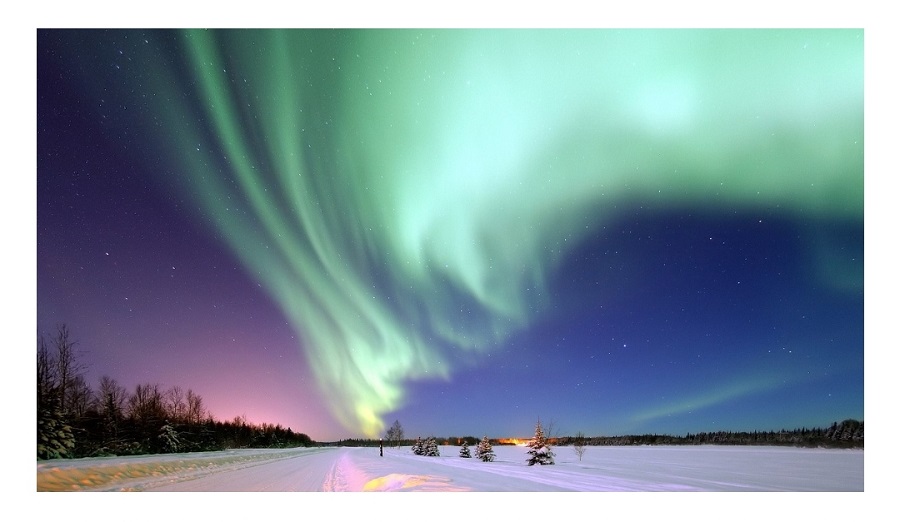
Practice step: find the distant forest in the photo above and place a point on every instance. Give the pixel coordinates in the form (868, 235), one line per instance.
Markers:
(849, 433)
(74, 420)
(845, 434)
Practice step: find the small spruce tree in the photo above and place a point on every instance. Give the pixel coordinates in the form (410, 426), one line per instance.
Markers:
(484, 451)
(54, 434)
(464, 451)
(540, 452)
(418, 447)
(168, 439)
(431, 448)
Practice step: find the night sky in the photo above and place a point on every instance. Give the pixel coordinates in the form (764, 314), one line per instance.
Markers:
(615, 231)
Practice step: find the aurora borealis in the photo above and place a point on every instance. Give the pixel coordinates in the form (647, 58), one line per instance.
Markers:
(622, 231)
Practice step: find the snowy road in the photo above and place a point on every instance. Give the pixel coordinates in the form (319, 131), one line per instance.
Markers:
(296, 471)
(655, 468)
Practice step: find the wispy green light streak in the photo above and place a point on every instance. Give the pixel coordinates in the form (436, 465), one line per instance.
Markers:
(718, 394)
(403, 194)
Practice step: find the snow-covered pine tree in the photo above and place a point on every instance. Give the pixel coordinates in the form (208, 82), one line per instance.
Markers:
(54, 435)
(540, 452)
(464, 451)
(431, 448)
(484, 451)
(168, 438)
(418, 448)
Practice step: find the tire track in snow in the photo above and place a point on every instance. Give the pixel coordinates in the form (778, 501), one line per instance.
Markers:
(344, 475)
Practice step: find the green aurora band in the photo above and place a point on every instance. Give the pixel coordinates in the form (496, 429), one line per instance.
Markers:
(402, 194)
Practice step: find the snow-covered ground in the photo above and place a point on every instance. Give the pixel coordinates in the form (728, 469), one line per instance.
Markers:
(602, 469)
(673, 481)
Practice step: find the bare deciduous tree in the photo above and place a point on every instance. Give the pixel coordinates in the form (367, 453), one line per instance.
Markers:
(195, 408)
(111, 398)
(579, 445)
(175, 405)
(395, 433)
(46, 374)
(110, 401)
(58, 370)
(78, 399)
(146, 403)
(67, 365)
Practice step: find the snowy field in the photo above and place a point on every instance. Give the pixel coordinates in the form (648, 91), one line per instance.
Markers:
(602, 469)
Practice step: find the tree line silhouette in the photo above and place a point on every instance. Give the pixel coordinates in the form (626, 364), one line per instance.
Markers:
(74, 420)
(849, 433)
